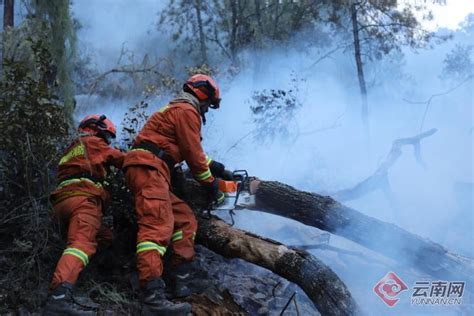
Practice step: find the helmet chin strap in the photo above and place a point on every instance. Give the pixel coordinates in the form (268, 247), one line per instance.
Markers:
(204, 107)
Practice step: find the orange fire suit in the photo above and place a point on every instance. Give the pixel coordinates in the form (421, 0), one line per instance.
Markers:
(78, 201)
(162, 217)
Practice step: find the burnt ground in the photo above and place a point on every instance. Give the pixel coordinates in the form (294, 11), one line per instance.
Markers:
(221, 287)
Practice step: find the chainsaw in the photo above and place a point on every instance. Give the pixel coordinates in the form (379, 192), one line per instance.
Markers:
(237, 193)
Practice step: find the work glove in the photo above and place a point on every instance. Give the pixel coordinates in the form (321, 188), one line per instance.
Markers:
(215, 195)
(218, 170)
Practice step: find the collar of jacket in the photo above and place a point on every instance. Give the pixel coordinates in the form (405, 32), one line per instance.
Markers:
(188, 98)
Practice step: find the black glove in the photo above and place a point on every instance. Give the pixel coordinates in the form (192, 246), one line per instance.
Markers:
(218, 170)
(215, 195)
(227, 175)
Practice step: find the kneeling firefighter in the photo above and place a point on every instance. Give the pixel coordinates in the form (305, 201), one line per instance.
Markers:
(77, 202)
(171, 135)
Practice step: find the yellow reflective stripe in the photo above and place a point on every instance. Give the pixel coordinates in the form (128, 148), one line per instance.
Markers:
(204, 175)
(148, 245)
(77, 180)
(193, 236)
(178, 235)
(163, 109)
(79, 150)
(78, 253)
(208, 160)
(137, 149)
(220, 198)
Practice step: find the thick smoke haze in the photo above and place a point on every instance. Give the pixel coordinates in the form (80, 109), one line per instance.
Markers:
(326, 149)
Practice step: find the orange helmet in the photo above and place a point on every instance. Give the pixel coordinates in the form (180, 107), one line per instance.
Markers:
(204, 88)
(98, 125)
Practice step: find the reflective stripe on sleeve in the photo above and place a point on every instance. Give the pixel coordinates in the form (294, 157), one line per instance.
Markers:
(193, 236)
(148, 245)
(177, 235)
(78, 150)
(163, 109)
(208, 160)
(78, 253)
(220, 198)
(77, 180)
(204, 175)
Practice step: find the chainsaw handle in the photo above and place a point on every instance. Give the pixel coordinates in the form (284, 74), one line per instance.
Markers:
(240, 175)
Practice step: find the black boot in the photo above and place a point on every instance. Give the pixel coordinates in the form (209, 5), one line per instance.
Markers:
(155, 302)
(61, 302)
(180, 280)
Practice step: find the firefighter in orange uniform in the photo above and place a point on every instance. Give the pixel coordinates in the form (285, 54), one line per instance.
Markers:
(171, 135)
(78, 201)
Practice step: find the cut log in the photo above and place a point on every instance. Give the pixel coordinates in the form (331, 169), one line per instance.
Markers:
(388, 239)
(328, 293)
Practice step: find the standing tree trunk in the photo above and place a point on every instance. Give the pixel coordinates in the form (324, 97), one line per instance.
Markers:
(258, 42)
(8, 23)
(258, 13)
(8, 16)
(233, 32)
(360, 69)
(277, 18)
(202, 39)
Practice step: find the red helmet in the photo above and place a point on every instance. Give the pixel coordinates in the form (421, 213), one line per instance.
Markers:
(97, 125)
(204, 88)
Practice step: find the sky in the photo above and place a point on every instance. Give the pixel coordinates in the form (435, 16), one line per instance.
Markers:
(92, 13)
(445, 15)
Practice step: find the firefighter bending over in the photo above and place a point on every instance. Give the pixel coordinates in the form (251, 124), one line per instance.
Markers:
(78, 202)
(171, 135)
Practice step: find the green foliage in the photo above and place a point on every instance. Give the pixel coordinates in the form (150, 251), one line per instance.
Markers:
(274, 110)
(62, 42)
(458, 64)
(34, 127)
(132, 122)
(382, 25)
(50, 22)
(228, 26)
(33, 123)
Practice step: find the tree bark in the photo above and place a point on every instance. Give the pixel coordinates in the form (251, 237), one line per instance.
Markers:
(328, 293)
(327, 214)
(202, 39)
(8, 14)
(360, 68)
(233, 33)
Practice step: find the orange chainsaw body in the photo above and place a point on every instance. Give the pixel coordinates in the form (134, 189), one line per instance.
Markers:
(227, 186)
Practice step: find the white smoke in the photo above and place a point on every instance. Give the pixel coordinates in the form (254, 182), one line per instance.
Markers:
(330, 151)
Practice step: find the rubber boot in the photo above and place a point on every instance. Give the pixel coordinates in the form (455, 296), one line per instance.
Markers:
(155, 302)
(61, 302)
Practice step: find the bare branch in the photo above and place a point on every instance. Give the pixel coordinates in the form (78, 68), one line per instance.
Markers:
(436, 95)
(379, 179)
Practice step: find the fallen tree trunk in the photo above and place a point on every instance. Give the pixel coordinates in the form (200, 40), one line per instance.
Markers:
(319, 282)
(328, 293)
(327, 214)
